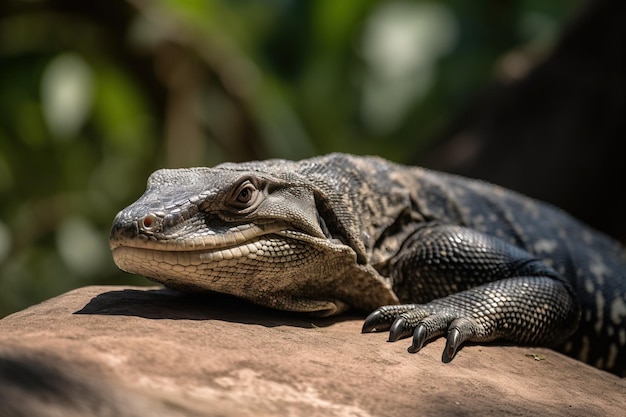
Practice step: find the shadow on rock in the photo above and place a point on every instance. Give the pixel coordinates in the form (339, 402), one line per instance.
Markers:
(165, 303)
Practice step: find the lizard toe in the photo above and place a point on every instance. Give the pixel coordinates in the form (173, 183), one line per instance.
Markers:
(375, 322)
(460, 331)
(419, 338)
(400, 329)
(383, 318)
(453, 342)
(428, 328)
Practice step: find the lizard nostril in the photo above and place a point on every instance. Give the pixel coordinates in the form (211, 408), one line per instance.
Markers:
(149, 222)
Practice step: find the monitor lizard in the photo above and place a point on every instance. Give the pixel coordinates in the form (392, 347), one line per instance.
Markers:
(431, 254)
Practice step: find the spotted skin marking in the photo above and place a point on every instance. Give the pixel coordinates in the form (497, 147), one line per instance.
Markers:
(618, 310)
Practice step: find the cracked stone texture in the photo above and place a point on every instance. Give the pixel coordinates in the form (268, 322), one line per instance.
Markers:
(136, 351)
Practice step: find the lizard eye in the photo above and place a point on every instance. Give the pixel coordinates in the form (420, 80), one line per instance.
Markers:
(245, 196)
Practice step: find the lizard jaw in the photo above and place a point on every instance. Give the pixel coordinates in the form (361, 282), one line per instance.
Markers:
(215, 267)
(137, 259)
(130, 235)
(252, 270)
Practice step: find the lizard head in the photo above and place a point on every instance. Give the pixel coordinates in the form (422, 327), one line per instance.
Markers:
(233, 230)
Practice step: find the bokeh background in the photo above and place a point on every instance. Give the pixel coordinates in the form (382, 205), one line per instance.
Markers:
(95, 95)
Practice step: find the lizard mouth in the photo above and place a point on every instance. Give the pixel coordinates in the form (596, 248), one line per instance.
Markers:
(182, 241)
(268, 243)
(258, 246)
(246, 270)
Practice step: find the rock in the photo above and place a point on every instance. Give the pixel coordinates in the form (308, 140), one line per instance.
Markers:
(122, 351)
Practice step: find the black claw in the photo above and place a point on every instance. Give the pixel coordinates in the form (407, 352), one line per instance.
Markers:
(452, 344)
(419, 337)
(399, 330)
(373, 322)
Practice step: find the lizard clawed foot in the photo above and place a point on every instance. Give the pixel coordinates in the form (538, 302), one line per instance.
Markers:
(404, 321)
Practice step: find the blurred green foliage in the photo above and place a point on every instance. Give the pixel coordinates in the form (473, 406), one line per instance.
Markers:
(96, 95)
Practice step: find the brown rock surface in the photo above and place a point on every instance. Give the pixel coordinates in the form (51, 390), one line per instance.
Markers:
(120, 351)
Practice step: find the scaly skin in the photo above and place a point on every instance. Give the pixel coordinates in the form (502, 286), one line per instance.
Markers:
(433, 254)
